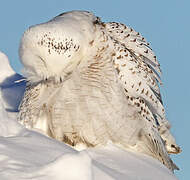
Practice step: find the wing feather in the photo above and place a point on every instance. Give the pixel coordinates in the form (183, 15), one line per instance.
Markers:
(139, 73)
(136, 80)
(134, 42)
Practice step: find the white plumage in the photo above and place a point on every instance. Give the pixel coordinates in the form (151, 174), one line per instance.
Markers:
(90, 82)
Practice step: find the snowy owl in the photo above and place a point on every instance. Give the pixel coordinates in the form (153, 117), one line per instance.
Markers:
(92, 82)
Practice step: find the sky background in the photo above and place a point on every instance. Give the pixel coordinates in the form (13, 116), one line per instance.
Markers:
(164, 23)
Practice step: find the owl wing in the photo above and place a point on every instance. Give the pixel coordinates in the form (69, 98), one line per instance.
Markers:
(34, 107)
(135, 59)
(138, 71)
(27, 110)
(142, 69)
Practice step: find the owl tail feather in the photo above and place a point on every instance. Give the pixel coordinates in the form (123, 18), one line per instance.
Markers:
(152, 144)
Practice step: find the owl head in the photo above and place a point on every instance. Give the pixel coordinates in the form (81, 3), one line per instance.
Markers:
(52, 50)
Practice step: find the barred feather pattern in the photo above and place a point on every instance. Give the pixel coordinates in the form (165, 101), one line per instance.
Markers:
(139, 70)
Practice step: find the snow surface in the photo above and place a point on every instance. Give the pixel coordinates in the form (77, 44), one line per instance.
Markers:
(30, 155)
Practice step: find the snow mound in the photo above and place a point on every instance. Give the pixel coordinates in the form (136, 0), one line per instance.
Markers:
(8, 127)
(30, 155)
(24, 157)
(12, 85)
(5, 67)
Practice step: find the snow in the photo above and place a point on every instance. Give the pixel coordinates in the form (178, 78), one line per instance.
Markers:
(27, 154)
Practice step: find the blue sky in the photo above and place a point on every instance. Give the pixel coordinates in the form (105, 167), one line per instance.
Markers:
(164, 23)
